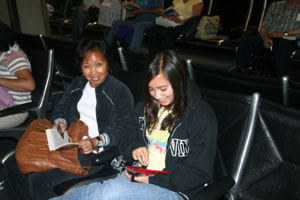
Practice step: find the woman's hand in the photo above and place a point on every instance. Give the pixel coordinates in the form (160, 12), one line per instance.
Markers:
(62, 126)
(140, 179)
(86, 146)
(141, 154)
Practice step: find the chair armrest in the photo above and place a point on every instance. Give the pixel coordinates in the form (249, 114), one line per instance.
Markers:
(14, 133)
(17, 109)
(105, 156)
(6, 156)
(216, 189)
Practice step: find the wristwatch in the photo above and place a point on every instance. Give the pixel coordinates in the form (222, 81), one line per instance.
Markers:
(99, 142)
(286, 33)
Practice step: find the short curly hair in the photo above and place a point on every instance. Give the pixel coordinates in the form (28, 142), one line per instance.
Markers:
(86, 45)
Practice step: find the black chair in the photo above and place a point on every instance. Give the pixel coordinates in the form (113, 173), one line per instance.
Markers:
(236, 115)
(42, 71)
(269, 88)
(134, 82)
(65, 69)
(263, 160)
(272, 169)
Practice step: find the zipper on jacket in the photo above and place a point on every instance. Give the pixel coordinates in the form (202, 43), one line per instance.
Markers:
(144, 131)
(171, 136)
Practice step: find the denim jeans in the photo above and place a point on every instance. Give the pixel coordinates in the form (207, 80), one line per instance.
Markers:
(120, 188)
(139, 27)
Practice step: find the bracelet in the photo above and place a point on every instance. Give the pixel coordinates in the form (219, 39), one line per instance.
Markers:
(99, 143)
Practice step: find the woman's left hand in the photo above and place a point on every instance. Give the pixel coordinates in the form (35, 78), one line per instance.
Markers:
(86, 146)
(140, 179)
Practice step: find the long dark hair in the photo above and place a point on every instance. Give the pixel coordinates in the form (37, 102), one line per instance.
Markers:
(169, 64)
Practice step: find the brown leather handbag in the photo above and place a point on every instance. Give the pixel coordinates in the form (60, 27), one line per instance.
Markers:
(33, 155)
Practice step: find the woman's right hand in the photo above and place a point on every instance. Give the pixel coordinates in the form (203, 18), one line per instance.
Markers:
(62, 126)
(141, 154)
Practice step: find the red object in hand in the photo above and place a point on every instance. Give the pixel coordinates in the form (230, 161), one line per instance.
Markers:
(133, 170)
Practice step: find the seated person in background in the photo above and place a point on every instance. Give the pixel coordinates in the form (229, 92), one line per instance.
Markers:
(282, 20)
(144, 18)
(160, 38)
(80, 15)
(15, 75)
(97, 99)
(172, 130)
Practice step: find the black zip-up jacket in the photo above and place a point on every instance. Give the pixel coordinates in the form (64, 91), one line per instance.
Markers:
(114, 104)
(191, 146)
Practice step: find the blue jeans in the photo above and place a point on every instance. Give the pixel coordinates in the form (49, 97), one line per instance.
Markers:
(120, 188)
(139, 27)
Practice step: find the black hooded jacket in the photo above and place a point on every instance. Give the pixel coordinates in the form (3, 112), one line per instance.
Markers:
(191, 146)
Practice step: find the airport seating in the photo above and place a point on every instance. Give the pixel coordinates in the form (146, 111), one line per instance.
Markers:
(246, 124)
(284, 90)
(66, 68)
(42, 70)
(293, 94)
(257, 146)
(269, 88)
(272, 169)
(63, 58)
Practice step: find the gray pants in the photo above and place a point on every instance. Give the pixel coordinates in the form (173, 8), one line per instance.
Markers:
(11, 121)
